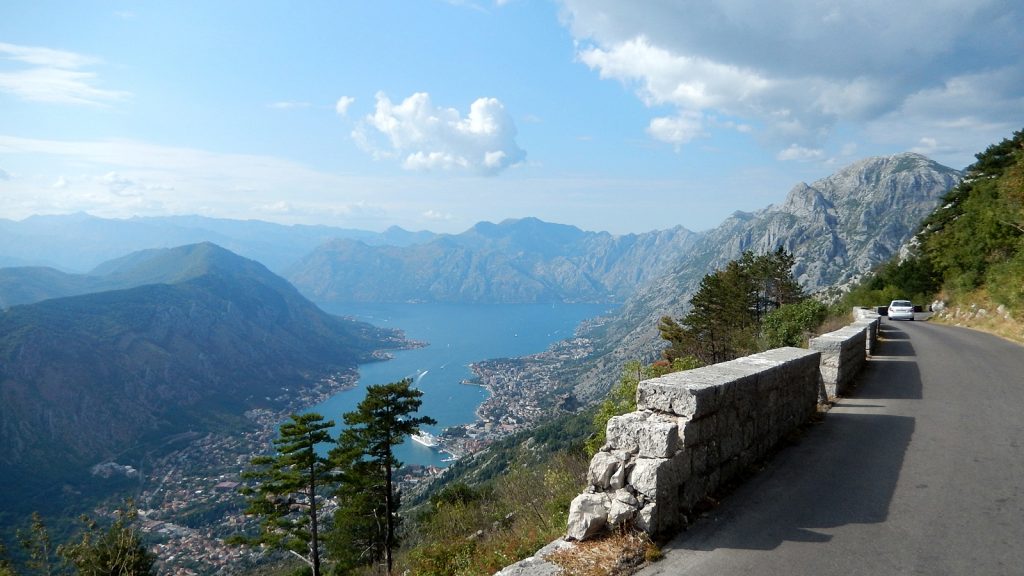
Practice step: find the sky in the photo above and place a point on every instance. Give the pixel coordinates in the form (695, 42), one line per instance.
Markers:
(621, 116)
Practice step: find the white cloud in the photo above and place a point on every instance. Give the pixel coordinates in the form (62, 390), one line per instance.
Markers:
(800, 154)
(116, 183)
(45, 57)
(427, 137)
(54, 76)
(342, 105)
(60, 183)
(677, 129)
(4, 175)
(800, 68)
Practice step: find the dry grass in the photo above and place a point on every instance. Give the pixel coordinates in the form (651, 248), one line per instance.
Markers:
(616, 554)
(979, 312)
(833, 323)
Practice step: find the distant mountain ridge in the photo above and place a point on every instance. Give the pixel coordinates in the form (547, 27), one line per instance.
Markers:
(200, 336)
(838, 228)
(516, 261)
(79, 242)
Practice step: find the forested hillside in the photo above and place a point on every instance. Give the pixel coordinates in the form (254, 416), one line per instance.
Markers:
(204, 336)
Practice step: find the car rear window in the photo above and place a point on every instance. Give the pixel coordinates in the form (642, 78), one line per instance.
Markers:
(901, 303)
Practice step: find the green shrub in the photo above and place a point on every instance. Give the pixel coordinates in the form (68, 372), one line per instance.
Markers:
(789, 324)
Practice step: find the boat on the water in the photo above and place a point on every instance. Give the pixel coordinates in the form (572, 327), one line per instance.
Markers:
(425, 438)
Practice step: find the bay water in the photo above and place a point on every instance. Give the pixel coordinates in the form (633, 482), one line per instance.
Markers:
(457, 335)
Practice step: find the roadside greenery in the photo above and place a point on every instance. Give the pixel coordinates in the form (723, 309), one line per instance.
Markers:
(478, 530)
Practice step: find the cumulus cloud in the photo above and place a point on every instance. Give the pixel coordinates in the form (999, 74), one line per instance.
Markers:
(53, 76)
(798, 69)
(427, 137)
(678, 129)
(342, 105)
(60, 183)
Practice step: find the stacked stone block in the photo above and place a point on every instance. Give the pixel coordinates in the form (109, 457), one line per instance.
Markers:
(691, 432)
(869, 319)
(842, 358)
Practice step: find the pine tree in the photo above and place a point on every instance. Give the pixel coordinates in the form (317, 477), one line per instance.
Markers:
(289, 485)
(727, 309)
(365, 456)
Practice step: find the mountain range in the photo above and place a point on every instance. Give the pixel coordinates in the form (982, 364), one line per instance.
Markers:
(838, 229)
(515, 261)
(80, 242)
(168, 341)
(163, 340)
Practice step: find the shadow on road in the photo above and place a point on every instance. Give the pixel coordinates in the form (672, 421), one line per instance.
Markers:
(893, 372)
(894, 341)
(842, 471)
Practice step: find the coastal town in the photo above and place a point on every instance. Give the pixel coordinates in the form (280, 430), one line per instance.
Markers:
(189, 504)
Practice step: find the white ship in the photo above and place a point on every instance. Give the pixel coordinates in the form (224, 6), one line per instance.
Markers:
(425, 438)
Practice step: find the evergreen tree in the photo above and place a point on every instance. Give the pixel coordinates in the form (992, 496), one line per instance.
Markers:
(726, 311)
(368, 516)
(289, 485)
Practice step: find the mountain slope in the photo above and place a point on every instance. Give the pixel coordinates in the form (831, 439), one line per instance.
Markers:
(87, 378)
(837, 228)
(516, 261)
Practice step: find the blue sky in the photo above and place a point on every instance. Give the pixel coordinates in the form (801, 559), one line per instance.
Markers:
(426, 114)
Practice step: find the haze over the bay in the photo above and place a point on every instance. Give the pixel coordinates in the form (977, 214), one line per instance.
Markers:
(618, 116)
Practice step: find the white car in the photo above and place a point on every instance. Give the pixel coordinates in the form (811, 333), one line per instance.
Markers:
(901, 310)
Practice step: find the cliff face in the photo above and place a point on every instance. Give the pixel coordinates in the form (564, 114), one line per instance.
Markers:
(838, 228)
(516, 261)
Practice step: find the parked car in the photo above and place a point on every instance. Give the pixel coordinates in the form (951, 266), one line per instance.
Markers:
(901, 310)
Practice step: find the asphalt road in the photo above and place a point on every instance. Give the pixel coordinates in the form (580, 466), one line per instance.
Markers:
(919, 471)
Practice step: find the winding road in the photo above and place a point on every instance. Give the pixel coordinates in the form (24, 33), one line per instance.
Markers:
(919, 471)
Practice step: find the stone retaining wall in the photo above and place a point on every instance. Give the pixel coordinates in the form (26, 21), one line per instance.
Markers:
(695, 430)
(692, 432)
(844, 351)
